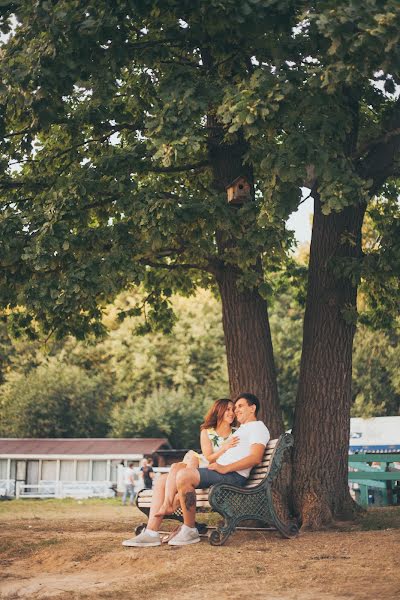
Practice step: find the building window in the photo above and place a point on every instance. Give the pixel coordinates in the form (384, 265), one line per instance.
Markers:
(82, 470)
(67, 470)
(99, 470)
(49, 470)
(114, 470)
(3, 469)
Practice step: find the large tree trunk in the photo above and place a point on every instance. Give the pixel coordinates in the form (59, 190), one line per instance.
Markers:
(247, 333)
(249, 347)
(322, 414)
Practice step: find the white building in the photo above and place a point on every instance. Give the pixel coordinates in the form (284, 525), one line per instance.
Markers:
(377, 434)
(31, 462)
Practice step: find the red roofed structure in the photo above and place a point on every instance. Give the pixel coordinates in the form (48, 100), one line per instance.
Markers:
(131, 448)
(30, 461)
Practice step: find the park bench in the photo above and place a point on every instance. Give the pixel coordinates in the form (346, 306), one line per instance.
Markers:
(384, 477)
(254, 501)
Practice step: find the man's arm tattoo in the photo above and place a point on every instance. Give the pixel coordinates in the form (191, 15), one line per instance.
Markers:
(190, 500)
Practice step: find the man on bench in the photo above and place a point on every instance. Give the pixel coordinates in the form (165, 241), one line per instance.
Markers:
(232, 467)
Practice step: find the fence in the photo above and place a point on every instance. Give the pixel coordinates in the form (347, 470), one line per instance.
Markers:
(60, 489)
(7, 487)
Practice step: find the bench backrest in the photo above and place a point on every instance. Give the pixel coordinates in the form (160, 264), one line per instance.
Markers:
(257, 474)
(260, 471)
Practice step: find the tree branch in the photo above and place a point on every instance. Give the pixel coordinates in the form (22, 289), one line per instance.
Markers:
(178, 168)
(383, 139)
(22, 132)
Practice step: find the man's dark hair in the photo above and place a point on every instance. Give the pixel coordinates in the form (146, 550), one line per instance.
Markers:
(251, 399)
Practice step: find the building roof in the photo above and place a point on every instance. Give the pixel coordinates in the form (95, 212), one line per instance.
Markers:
(81, 446)
(376, 434)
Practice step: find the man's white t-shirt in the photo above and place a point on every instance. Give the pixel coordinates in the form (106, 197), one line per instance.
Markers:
(254, 432)
(128, 476)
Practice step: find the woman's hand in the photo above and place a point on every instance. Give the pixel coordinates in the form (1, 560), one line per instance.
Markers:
(230, 443)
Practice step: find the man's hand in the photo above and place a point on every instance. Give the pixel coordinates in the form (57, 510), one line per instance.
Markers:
(219, 468)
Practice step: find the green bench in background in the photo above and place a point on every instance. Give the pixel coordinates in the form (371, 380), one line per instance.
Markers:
(383, 478)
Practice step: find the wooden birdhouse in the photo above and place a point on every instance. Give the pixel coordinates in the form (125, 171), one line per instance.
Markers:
(239, 191)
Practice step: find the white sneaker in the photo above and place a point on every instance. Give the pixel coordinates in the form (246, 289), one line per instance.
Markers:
(184, 537)
(143, 540)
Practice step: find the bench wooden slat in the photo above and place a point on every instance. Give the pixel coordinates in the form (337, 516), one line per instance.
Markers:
(199, 503)
(260, 469)
(256, 478)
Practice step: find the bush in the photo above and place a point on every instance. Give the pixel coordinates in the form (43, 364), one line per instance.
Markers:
(54, 400)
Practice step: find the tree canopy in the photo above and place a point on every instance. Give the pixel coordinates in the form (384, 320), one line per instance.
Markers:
(106, 155)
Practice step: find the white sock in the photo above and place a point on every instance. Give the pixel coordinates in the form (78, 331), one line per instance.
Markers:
(152, 533)
(188, 529)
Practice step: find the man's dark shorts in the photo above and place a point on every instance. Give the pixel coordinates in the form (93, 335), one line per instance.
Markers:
(208, 478)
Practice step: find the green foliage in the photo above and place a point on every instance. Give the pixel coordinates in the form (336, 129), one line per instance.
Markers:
(286, 320)
(165, 413)
(108, 170)
(191, 357)
(162, 384)
(107, 180)
(54, 400)
(380, 283)
(69, 388)
(376, 368)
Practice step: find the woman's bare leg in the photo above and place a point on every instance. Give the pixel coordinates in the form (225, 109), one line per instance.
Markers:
(170, 501)
(154, 521)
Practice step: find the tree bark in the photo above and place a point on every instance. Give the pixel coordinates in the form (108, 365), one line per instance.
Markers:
(322, 413)
(249, 347)
(247, 334)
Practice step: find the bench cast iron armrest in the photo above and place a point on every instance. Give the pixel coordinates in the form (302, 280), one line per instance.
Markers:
(253, 502)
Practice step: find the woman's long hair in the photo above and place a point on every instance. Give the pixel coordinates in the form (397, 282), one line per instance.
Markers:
(216, 413)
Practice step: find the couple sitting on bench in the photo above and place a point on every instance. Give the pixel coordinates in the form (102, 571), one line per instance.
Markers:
(228, 456)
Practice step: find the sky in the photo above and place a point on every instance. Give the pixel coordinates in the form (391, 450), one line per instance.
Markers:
(300, 221)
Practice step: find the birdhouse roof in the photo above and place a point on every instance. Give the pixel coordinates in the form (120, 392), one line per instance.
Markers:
(236, 180)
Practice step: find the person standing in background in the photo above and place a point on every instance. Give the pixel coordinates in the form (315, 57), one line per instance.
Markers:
(147, 474)
(129, 487)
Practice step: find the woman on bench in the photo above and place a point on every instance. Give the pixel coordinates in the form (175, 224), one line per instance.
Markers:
(215, 439)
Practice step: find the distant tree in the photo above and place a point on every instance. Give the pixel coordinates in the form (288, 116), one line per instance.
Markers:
(191, 357)
(54, 400)
(175, 415)
(6, 351)
(286, 318)
(118, 371)
(376, 374)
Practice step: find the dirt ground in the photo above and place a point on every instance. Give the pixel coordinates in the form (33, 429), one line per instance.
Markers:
(72, 549)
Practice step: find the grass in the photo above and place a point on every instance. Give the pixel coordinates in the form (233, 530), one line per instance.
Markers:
(385, 517)
(24, 508)
(379, 518)
(24, 547)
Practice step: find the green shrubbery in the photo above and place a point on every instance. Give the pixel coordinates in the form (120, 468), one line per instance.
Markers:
(129, 385)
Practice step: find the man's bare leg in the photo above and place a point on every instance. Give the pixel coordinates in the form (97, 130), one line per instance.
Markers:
(186, 481)
(170, 503)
